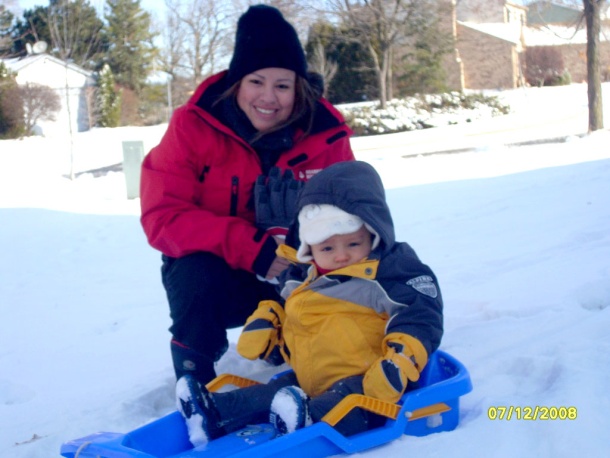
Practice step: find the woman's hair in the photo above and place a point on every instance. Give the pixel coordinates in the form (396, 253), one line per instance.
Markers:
(305, 98)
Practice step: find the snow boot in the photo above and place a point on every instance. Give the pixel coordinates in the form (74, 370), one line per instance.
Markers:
(196, 405)
(190, 362)
(289, 410)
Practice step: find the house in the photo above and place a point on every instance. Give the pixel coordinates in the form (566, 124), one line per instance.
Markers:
(68, 80)
(492, 36)
(488, 37)
(545, 12)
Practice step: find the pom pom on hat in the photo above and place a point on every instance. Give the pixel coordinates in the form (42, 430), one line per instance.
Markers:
(265, 39)
(320, 222)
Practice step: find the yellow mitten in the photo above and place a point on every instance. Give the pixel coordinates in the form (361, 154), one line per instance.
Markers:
(404, 358)
(262, 331)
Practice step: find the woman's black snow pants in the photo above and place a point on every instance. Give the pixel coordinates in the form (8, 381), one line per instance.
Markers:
(206, 297)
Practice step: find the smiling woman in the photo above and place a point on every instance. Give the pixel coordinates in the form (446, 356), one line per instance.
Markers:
(267, 97)
(262, 122)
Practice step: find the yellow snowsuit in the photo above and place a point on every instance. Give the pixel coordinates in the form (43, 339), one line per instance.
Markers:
(334, 334)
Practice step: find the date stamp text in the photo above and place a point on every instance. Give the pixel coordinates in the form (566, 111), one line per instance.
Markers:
(531, 413)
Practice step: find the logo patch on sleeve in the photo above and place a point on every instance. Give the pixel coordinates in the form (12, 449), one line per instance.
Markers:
(425, 285)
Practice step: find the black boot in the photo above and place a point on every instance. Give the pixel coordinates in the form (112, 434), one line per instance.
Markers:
(190, 362)
(197, 406)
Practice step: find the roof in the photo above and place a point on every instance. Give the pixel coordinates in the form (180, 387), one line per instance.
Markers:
(506, 31)
(518, 6)
(557, 35)
(18, 63)
(547, 35)
(546, 12)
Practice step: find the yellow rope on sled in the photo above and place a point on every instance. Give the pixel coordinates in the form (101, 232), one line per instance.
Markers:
(384, 408)
(230, 379)
(352, 401)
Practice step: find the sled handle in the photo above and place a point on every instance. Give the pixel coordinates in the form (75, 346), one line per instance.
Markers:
(230, 379)
(428, 411)
(384, 408)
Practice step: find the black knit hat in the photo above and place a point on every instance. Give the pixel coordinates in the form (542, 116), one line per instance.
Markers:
(265, 39)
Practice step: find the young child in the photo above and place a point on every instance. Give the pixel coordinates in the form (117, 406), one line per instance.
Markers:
(361, 315)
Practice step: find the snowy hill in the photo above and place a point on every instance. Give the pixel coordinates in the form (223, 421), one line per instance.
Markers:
(518, 236)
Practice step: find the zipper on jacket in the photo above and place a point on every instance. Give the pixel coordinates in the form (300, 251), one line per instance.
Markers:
(205, 170)
(234, 191)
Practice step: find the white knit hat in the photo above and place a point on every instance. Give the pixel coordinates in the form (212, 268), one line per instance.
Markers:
(320, 222)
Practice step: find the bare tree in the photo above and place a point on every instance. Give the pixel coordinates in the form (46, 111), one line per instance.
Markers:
(300, 14)
(67, 19)
(543, 65)
(40, 103)
(380, 25)
(591, 16)
(197, 30)
(318, 63)
(172, 54)
(594, 86)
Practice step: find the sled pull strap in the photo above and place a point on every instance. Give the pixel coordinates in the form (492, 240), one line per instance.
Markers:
(230, 379)
(384, 408)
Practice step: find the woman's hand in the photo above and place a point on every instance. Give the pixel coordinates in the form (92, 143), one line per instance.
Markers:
(277, 267)
(275, 199)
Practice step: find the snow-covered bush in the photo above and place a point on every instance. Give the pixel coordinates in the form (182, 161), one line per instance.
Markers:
(420, 112)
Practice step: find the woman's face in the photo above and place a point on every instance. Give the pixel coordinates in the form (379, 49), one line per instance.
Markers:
(267, 96)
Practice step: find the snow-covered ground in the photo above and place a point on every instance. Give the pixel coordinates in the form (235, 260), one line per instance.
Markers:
(519, 238)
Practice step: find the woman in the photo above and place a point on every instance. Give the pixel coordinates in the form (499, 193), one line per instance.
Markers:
(242, 127)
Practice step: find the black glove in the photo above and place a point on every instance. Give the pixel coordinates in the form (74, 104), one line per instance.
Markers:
(275, 199)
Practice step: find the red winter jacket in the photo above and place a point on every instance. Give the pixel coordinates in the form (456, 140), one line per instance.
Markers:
(196, 184)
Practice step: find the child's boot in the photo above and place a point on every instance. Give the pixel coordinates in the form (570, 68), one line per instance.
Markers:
(196, 405)
(290, 410)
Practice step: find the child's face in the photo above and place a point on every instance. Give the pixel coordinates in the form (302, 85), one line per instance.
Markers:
(342, 250)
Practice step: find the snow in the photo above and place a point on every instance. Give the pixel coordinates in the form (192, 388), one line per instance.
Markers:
(519, 237)
(197, 435)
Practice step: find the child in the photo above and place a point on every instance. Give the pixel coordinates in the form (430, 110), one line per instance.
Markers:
(361, 315)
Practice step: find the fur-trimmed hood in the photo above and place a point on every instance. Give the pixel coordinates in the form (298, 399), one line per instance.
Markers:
(356, 188)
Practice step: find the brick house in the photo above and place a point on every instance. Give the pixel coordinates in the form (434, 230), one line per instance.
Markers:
(47, 70)
(491, 38)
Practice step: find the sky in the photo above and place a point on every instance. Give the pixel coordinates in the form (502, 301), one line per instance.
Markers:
(519, 237)
(155, 6)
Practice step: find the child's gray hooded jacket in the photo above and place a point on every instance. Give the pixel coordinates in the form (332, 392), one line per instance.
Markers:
(335, 323)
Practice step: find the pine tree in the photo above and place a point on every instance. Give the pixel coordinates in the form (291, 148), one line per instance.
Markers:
(32, 27)
(131, 53)
(354, 80)
(6, 19)
(109, 99)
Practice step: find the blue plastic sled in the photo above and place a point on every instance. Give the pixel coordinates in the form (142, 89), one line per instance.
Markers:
(431, 408)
